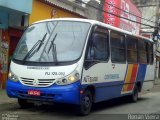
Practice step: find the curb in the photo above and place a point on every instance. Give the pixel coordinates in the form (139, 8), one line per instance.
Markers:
(11, 102)
(5, 99)
(157, 82)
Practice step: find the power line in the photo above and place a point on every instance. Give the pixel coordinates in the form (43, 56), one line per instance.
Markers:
(116, 15)
(147, 5)
(130, 13)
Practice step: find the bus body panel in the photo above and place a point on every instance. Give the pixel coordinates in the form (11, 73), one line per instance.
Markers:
(107, 72)
(47, 72)
(107, 78)
(150, 72)
(149, 78)
(61, 94)
(116, 80)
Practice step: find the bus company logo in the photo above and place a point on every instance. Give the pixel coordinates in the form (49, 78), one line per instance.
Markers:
(38, 68)
(90, 79)
(35, 82)
(111, 76)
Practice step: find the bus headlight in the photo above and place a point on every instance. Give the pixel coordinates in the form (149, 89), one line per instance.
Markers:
(12, 77)
(68, 79)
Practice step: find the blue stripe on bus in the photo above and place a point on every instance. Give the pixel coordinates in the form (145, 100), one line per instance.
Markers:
(141, 72)
(107, 90)
(111, 90)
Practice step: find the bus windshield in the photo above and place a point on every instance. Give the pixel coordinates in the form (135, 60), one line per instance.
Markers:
(53, 41)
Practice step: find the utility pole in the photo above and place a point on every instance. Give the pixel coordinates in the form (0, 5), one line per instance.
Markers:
(156, 33)
(95, 12)
(101, 13)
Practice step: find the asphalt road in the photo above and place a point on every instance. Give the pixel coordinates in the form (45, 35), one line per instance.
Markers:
(116, 109)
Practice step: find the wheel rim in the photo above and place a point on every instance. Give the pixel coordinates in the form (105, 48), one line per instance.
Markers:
(86, 102)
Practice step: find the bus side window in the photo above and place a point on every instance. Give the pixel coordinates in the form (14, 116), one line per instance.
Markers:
(150, 53)
(117, 47)
(98, 46)
(142, 51)
(132, 56)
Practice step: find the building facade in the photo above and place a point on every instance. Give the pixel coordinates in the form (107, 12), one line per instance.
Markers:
(47, 9)
(13, 19)
(150, 12)
(151, 16)
(117, 10)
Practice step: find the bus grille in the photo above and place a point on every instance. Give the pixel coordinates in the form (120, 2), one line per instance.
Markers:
(37, 82)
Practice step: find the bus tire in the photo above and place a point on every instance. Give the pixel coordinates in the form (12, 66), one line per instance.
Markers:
(24, 104)
(85, 103)
(134, 96)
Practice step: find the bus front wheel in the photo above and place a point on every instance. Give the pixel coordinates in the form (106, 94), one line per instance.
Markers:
(86, 103)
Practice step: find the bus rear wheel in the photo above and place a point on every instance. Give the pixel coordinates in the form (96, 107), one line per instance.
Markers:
(24, 103)
(86, 103)
(134, 96)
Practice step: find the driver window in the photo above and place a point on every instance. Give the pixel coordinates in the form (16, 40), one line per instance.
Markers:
(98, 48)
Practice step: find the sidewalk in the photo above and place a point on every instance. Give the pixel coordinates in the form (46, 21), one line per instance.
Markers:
(4, 98)
(157, 81)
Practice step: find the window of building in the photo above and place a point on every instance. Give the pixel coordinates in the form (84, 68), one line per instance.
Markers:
(117, 47)
(131, 49)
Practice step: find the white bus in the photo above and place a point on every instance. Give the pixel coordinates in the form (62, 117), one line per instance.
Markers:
(80, 62)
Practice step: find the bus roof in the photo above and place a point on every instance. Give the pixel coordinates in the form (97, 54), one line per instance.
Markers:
(93, 22)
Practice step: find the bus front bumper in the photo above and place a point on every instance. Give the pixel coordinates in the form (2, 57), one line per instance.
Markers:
(62, 94)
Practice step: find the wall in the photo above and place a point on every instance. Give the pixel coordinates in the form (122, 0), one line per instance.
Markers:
(19, 5)
(3, 20)
(41, 11)
(13, 13)
(4, 57)
(70, 5)
(93, 13)
(125, 6)
(0, 45)
(149, 12)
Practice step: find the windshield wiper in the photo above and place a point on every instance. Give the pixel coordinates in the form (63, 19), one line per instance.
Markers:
(33, 49)
(50, 37)
(53, 49)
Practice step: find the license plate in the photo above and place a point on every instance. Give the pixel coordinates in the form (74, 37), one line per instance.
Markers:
(34, 93)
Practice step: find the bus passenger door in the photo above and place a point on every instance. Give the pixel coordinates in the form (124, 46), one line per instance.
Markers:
(96, 59)
(118, 63)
